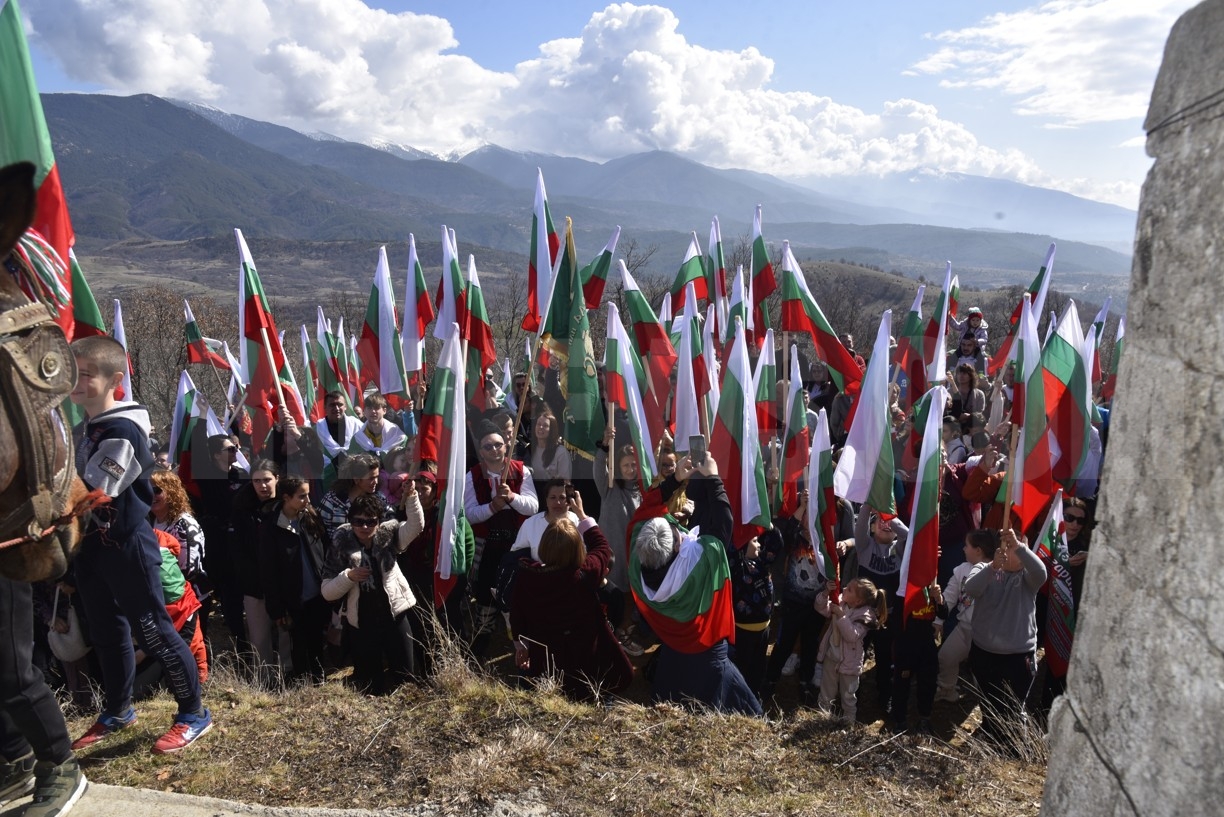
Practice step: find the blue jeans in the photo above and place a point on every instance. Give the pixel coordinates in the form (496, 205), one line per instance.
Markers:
(122, 590)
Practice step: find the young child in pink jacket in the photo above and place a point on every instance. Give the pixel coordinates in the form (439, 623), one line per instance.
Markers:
(863, 608)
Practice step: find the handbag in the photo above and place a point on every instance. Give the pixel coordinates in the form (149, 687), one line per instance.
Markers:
(70, 646)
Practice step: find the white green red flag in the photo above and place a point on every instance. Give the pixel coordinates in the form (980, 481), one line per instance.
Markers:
(796, 439)
(541, 260)
(733, 444)
(624, 385)
(329, 374)
(765, 391)
(312, 396)
(187, 412)
(569, 329)
(24, 138)
(451, 302)
(443, 433)
(801, 313)
(937, 330)
(954, 298)
(692, 271)
(654, 344)
(1109, 382)
(691, 610)
(920, 562)
(716, 279)
(763, 281)
(199, 348)
(713, 370)
(821, 514)
(1060, 616)
(686, 408)
(380, 346)
(909, 357)
(595, 274)
(1097, 330)
(124, 390)
(1032, 483)
(1068, 395)
(866, 469)
(738, 307)
(418, 312)
(1036, 293)
(481, 352)
(269, 378)
(86, 316)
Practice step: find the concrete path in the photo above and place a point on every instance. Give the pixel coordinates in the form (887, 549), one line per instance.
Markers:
(117, 801)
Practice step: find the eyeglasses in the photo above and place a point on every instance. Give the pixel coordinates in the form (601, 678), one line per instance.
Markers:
(363, 522)
(1076, 519)
(493, 446)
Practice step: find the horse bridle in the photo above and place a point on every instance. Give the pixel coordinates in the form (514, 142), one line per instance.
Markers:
(37, 370)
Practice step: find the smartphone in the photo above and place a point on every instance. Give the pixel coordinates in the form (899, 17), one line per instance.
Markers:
(697, 449)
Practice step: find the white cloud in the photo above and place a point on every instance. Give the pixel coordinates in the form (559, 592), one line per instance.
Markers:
(630, 81)
(1070, 61)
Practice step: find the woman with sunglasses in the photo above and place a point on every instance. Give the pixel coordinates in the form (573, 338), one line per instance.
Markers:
(171, 512)
(362, 573)
(293, 548)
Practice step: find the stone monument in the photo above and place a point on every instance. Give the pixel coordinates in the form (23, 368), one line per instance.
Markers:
(1141, 728)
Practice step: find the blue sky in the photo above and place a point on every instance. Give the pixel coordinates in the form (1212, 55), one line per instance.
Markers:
(1045, 93)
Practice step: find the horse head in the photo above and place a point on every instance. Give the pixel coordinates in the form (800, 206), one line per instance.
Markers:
(38, 479)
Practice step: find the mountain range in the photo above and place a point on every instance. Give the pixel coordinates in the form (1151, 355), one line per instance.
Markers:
(142, 168)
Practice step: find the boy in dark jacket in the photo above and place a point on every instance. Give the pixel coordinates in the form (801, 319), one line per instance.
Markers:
(118, 565)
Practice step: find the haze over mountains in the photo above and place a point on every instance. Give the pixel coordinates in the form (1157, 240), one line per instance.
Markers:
(142, 167)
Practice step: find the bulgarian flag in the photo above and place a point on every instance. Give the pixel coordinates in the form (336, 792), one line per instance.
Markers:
(954, 298)
(796, 441)
(801, 313)
(443, 430)
(188, 411)
(310, 366)
(1052, 547)
(765, 389)
(920, 563)
(270, 380)
(911, 340)
(623, 385)
(452, 292)
(1110, 381)
(331, 376)
(821, 514)
(1068, 398)
(686, 412)
(571, 341)
(733, 445)
(691, 611)
(692, 271)
(738, 308)
(937, 330)
(763, 281)
(1036, 293)
(480, 349)
(866, 470)
(709, 360)
(199, 348)
(654, 344)
(1032, 483)
(381, 348)
(595, 274)
(124, 391)
(86, 316)
(716, 278)
(418, 312)
(24, 138)
(542, 260)
(1098, 330)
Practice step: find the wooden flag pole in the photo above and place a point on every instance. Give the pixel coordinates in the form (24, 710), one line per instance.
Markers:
(267, 344)
(522, 403)
(217, 374)
(1011, 475)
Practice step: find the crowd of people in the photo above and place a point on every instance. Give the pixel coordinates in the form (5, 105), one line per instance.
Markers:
(321, 555)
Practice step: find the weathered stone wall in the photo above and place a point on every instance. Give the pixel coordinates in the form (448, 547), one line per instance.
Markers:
(1141, 729)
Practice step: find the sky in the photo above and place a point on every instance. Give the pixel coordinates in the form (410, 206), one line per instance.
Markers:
(1046, 93)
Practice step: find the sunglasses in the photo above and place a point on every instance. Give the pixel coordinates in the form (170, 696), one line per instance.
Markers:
(1068, 518)
(157, 492)
(493, 446)
(363, 522)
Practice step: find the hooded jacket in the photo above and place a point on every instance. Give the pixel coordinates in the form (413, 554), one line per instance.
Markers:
(113, 455)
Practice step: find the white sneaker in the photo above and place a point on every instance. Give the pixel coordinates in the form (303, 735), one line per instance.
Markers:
(792, 664)
(818, 675)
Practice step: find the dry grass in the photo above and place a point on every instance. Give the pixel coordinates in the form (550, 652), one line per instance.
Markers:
(469, 738)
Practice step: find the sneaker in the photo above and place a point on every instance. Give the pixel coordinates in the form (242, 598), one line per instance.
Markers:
(56, 788)
(184, 732)
(16, 779)
(105, 726)
(792, 664)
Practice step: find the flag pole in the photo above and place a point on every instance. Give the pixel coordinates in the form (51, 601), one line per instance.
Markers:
(1007, 480)
(267, 344)
(518, 419)
(217, 374)
(613, 460)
